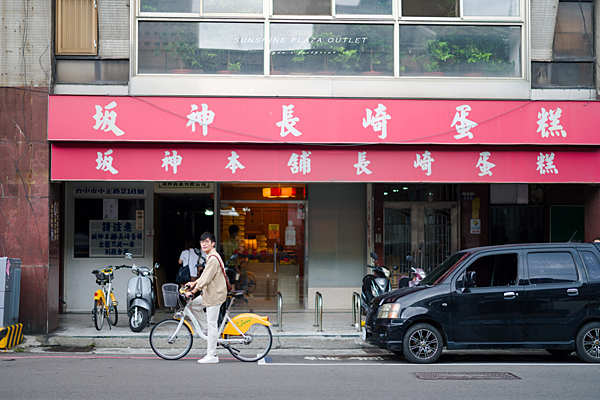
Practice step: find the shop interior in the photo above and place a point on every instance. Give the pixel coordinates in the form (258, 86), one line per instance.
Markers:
(271, 248)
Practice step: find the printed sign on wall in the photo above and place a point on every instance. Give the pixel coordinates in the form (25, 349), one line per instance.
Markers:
(115, 238)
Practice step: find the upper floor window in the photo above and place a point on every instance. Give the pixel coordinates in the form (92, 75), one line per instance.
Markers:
(331, 37)
(573, 58)
(76, 27)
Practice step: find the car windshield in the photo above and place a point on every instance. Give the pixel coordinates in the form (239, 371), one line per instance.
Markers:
(441, 270)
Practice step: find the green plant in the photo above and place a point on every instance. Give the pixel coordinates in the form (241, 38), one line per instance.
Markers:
(440, 56)
(234, 67)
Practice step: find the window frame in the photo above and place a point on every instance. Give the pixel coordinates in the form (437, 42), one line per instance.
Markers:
(76, 34)
(394, 19)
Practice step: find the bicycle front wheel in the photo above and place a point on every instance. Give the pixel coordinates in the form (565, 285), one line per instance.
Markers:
(166, 344)
(257, 343)
(113, 313)
(99, 314)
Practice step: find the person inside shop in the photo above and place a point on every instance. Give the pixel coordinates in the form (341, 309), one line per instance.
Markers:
(213, 285)
(189, 258)
(230, 247)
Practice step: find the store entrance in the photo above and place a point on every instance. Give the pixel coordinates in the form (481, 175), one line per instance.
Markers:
(270, 240)
(271, 248)
(177, 218)
(428, 231)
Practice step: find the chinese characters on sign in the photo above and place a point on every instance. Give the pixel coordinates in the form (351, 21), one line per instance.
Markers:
(289, 122)
(172, 160)
(424, 162)
(553, 129)
(115, 238)
(203, 118)
(105, 162)
(545, 164)
(463, 125)
(107, 121)
(234, 164)
(300, 163)
(362, 164)
(484, 165)
(379, 121)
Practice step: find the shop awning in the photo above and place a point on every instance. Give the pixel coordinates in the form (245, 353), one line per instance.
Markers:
(327, 121)
(302, 163)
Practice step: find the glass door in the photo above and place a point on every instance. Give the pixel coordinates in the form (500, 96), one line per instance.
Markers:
(427, 231)
(271, 248)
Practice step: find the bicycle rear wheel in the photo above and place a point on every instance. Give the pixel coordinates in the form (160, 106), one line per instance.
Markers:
(257, 343)
(167, 346)
(98, 313)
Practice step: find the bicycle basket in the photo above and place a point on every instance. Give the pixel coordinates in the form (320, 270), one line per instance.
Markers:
(170, 294)
(102, 278)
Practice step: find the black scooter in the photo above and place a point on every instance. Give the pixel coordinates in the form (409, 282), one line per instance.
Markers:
(374, 284)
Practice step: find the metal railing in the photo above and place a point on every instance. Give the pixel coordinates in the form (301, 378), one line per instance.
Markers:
(319, 312)
(279, 312)
(356, 321)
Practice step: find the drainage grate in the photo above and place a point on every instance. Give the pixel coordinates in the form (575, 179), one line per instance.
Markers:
(466, 376)
(68, 349)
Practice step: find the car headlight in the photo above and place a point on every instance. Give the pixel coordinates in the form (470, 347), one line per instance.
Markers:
(389, 310)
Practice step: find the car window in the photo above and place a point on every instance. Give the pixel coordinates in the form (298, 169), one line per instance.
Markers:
(551, 267)
(495, 270)
(592, 265)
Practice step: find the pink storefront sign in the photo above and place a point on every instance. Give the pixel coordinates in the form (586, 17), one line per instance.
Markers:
(279, 163)
(301, 120)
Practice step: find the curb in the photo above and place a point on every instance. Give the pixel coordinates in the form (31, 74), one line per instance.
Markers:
(333, 342)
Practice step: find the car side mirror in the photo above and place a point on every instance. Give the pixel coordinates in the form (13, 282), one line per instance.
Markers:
(470, 278)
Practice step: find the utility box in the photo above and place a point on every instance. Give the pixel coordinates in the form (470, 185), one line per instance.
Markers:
(10, 290)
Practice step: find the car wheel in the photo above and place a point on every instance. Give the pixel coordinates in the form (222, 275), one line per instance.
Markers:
(587, 342)
(422, 344)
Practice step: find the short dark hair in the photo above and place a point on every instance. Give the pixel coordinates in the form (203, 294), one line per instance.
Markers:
(207, 235)
(233, 229)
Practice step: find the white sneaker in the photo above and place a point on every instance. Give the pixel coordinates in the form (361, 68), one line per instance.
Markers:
(209, 360)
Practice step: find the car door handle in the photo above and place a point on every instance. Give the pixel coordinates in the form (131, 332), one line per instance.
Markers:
(572, 292)
(509, 295)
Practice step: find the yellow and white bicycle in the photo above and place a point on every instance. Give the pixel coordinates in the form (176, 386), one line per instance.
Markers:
(247, 336)
(105, 304)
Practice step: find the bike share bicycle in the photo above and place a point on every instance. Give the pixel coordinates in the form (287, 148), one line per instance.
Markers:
(105, 304)
(246, 336)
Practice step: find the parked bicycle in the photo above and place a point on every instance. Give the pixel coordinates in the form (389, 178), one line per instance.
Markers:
(105, 304)
(246, 336)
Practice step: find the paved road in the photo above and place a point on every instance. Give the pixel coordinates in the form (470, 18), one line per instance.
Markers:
(293, 374)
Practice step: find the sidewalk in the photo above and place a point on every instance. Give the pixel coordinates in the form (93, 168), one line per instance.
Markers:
(298, 332)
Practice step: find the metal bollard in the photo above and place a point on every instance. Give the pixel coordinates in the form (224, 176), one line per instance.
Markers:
(279, 308)
(356, 321)
(319, 312)
(268, 288)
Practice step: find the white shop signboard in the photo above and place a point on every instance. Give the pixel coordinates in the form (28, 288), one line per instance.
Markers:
(115, 238)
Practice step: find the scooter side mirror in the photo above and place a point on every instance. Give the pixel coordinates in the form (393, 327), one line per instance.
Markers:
(410, 259)
(156, 265)
(374, 256)
(128, 256)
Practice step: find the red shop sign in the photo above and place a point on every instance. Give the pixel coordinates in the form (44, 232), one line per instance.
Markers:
(277, 163)
(301, 120)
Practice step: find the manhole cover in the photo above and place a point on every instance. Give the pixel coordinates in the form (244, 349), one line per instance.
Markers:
(67, 349)
(466, 376)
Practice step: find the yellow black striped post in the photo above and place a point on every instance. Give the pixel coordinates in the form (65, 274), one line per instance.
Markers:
(10, 336)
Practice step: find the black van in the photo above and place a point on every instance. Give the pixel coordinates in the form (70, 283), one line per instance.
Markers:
(542, 296)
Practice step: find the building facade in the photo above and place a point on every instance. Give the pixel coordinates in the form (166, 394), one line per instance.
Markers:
(323, 129)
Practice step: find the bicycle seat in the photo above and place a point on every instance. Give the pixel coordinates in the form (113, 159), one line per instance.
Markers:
(238, 294)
